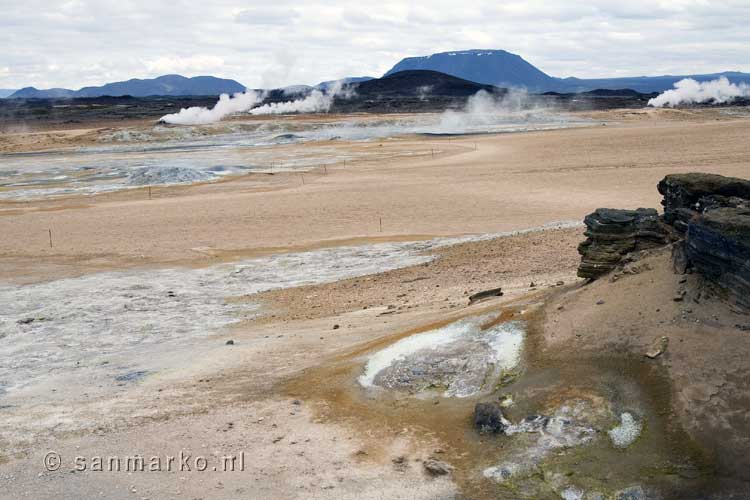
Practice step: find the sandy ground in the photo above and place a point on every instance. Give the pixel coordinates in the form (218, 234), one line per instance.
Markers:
(265, 396)
(508, 182)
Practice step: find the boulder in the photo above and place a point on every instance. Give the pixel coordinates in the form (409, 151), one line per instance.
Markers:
(717, 245)
(612, 233)
(686, 195)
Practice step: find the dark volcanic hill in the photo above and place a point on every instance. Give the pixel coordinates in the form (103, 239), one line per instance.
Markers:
(421, 83)
(167, 85)
(408, 91)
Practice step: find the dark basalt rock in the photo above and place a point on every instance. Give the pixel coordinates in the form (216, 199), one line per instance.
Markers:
(718, 246)
(686, 195)
(611, 234)
(485, 294)
(488, 418)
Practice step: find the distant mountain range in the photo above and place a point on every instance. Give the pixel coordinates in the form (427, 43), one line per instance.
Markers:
(647, 84)
(6, 92)
(486, 67)
(503, 69)
(169, 85)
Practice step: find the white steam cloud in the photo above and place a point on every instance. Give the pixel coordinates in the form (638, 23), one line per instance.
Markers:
(485, 109)
(197, 115)
(689, 91)
(317, 102)
(245, 102)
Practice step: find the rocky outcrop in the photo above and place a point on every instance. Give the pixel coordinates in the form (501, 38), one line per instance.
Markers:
(687, 195)
(611, 234)
(706, 216)
(717, 245)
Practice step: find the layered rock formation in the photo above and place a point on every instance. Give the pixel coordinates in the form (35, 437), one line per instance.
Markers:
(611, 234)
(717, 246)
(707, 216)
(686, 195)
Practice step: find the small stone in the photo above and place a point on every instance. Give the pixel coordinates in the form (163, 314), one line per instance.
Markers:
(532, 285)
(599, 302)
(230, 342)
(336, 327)
(657, 347)
(560, 283)
(437, 467)
(631, 493)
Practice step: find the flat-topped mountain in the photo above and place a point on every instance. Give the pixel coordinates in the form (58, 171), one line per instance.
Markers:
(503, 69)
(493, 67)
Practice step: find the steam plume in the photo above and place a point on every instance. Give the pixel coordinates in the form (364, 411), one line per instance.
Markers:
(484, 109)
(197, 115)
(318, 101)
(689, 91)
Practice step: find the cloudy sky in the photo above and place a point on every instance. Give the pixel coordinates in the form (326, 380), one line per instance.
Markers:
(74, 43)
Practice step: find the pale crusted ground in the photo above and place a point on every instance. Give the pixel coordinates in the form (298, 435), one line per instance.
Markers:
(192, 408)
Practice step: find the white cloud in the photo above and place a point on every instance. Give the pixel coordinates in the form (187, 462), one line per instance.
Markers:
(266, 15)
(190, 64)
(90, 42)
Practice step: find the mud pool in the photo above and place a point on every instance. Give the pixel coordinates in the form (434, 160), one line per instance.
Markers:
(461, 359)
